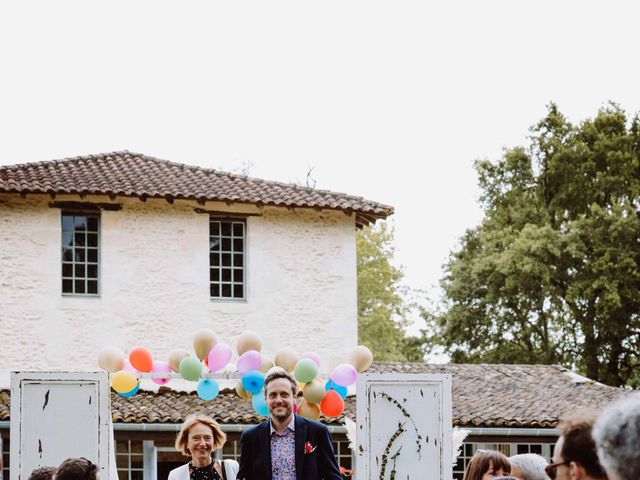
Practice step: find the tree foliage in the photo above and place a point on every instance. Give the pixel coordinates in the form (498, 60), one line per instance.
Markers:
(551, 274)
(382, 304)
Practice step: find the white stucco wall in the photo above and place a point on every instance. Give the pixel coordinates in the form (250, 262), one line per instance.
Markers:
(154, 283)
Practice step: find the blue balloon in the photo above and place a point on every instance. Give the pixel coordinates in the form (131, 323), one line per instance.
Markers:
(260, 404)
(130, 393)
(339, 389)
(208, 389)
(253, 381)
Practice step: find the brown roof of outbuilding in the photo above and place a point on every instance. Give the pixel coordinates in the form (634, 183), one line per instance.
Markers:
(508, 396)
(135, 175)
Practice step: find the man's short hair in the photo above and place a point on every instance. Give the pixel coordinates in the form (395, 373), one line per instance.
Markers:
(77, 469)
(42, 473)
(531, 466)
(281, 373)
(578, 445)
(617, 436)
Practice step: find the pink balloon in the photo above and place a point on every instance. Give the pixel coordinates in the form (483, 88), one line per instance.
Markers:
(161, 367)
(312, 356)
(344, 375)
(249, 360)
(128, 367)
(219, 356)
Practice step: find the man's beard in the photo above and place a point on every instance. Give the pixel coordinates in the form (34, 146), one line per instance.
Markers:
(284, 416)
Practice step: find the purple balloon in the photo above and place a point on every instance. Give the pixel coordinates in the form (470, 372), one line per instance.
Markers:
(161, 367)
(249, 360)
(219, 356)
(344, 375)
(312, 356)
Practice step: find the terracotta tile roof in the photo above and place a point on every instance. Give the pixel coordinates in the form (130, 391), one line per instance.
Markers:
(135, 175)
(515, 396)
(535, 396)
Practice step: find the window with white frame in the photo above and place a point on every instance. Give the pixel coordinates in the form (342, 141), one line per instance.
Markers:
(344, 457)
(227, 252)
(508, 449)
(80, 253)
(129, 460)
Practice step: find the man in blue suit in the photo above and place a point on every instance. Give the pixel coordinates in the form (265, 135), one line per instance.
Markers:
(286, 446)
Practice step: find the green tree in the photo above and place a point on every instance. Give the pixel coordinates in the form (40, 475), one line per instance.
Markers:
(551, 273)
(382, 304)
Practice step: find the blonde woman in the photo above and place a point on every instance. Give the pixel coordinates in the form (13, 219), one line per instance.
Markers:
(198, 438)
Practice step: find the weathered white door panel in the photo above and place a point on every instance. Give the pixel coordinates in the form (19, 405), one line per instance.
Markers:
(57, 415)
(404, 427)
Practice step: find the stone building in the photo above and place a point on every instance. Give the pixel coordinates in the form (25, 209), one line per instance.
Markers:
(125, 249)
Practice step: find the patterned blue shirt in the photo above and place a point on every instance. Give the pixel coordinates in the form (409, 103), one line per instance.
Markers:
(283, 452)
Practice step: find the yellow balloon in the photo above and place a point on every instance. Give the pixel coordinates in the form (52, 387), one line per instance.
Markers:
(361, 358)
(309, 410)
(314, 392)
(203, 341)
(240, 390)
(286, 358)
(111, 359)
(248, 341)
(123, 382)
(267, 363)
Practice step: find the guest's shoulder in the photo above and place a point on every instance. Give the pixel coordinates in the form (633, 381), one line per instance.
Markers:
(180, 473)
(250, 432)
(311, 423)
(232, 467)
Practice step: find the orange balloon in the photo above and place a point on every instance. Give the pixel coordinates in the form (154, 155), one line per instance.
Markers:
(141, 359)
(332, 404)
(309, 410)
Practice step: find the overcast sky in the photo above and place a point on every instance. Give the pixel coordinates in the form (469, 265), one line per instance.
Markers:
(390, 100)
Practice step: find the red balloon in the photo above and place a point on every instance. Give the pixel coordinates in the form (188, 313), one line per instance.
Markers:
(141, 359)
(332, 404)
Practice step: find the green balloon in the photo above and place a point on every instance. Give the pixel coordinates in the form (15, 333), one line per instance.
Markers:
(190, 368)
(306, 370)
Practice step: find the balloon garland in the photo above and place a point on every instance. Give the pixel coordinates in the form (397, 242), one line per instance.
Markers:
(211, 356)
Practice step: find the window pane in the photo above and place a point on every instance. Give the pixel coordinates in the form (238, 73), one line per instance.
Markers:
(79, 284)
(215, 290)
(92, 255)
(226, 274)
(67, 223)
(237, 260)
(92, 224)
(238, 229)
(214, 244)
(226, 259)
(226, 290)
(238, 291)
(67, 254)
(67, 239)
(92, 286)
(535, 448)
(79, 239)
(92, 239)
(79, 255)
(214, 259)
(226, 244)
(79, 223)
(67, 286)
(214, 228)
(214, 275)
(237, 275)
(92, 271)
(237, 244)
(67, 270)
(79, 270)
(226, 229)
